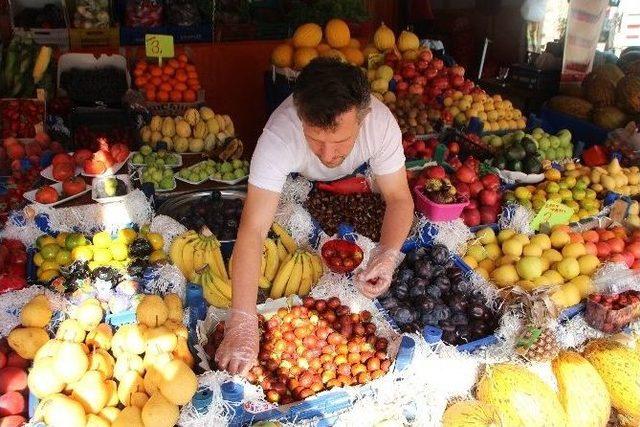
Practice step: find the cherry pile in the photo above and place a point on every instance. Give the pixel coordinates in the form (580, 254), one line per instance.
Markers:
(313, 347)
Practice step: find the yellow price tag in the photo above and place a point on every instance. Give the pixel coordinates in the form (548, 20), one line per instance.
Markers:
(159, 46)
(552, 213)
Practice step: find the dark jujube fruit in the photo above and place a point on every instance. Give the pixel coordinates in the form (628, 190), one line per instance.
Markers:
(389, 303)
(425, 303)
(416, 291)
(441, 311)
(477, 311)
(459, 319)
(425, 270)
(402, 316)
(433, 291)
(401, 291)
(442, 282)
(420, 282)
(405, 275)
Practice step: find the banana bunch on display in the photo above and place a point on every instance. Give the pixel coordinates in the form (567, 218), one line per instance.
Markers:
(216, 290)
(191, 251)
(286, 269)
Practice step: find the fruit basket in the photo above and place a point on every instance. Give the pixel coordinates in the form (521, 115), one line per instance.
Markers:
(301, 403)
(437, 211)
(612, 313)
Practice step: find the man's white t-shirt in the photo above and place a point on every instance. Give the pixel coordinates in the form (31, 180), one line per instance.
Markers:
(283, 149)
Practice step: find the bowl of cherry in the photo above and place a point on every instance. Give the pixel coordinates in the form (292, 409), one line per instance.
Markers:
(341, 256)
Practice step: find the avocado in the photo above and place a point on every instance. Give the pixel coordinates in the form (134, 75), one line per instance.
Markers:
(499, 162)
(516, 152)
(514, 165)
(532, 165)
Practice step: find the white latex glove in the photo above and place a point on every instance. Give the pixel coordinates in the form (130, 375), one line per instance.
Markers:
(375, 279)
(238, 351)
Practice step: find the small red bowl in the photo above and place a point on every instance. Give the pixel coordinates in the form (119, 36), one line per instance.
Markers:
(341, 256)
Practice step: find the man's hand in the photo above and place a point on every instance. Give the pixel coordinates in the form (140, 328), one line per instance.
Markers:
(238, 352)
(239, 348)
(375, 279)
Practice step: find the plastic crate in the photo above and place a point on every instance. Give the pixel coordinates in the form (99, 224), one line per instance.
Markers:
(553, 121)
(528, 77)
(199, 33)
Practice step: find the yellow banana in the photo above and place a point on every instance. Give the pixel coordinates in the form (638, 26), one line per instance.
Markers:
(208, 255)
(285, 237)
(214, 296)
(282, 251)
(272, 260)
(199, 254)
(264, 283)
(177, 246)
(222, 285)
(188, 254)
(217, 258)
(293, 284)
(307, 275)
(282, 278)
(318, 268)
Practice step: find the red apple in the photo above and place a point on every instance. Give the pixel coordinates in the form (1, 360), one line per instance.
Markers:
(488, 197)
(490, 181)
(466, 175)
(436, 172)
(471, 217)
(487, 215)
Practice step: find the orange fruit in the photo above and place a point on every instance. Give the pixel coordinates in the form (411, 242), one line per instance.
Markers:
(163, 96)
(183, 58)
(140, 81)
(189, 96)
(150, 95)
(166, 87)
(176, 96)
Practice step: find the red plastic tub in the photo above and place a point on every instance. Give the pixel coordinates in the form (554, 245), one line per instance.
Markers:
(341, 256)
(436, 211)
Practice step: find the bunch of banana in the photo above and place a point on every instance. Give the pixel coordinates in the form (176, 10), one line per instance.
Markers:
(297, 273)
(216, 290)
(191, 251)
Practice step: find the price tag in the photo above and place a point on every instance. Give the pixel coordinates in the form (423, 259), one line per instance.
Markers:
(552, 213)
(158, 46)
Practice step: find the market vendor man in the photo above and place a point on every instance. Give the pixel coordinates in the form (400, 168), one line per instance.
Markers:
(328, 128)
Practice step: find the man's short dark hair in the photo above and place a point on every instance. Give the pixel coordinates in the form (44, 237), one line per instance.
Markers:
(327, 88)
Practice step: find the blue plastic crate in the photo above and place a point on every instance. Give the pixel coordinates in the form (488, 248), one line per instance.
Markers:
(581, 131)
(199, 33)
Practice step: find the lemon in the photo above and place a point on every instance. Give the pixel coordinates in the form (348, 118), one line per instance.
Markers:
(61, 239)
(82, 253)
(37, 259)
(156, 240)
(44, 240)
(119, 251)
(47, 275)
(102, 239)
(49, 251)
(49, 265)
(63, 257)
(102, 255)
(158, 255)
(128, 235)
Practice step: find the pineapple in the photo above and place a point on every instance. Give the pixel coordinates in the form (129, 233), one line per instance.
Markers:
(537, 340)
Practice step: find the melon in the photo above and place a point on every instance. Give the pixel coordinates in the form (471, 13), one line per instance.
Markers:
(323, 47)
(520, 397)
(628, 93)
(609, 117)
(611, 72)
(307, 35)
(599, 90)
(572, 106)
(384, 38)
(337, 33)
(471, 413)
(582, 392)
(619, 368)
(303, 56)
(282, 56)
(408, 41)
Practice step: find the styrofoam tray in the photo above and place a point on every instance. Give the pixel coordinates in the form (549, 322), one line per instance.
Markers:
(235, 181)
(191, 182)
(142, 165)
(110, 171)
(127, 183)
(520, 177)
(158, 190)
(31, 195)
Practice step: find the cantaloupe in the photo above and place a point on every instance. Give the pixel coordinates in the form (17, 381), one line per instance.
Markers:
(303, 56)
(582, 392)
(619, 368)
(307, 35)
(471, 413)
(353, 56)
(408, 41)
(520, 397)
(384, 38)
(337, 33)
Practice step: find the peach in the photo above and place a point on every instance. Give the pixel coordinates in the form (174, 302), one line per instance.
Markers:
(591, 236)
(616, 244)
(12, 403)
(12, 379)
(591, 248)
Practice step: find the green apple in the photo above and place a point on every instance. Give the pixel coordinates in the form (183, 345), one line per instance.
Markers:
(555, 141)
(544, 143)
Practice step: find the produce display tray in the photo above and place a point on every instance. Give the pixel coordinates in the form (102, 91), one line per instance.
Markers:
(179, 178)
(233, 182)
(127, 182)
(142, 165)
(31, 195)
(48, 172)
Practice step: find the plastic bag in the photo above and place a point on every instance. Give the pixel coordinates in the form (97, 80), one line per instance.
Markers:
(626, 141)
(183, 13)
(143, 13)
(533, 10)
(92, 14)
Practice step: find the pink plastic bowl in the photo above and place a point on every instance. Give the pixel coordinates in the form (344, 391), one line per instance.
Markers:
(436, 211)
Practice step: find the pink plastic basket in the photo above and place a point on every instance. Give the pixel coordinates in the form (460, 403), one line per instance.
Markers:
(436, 211)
